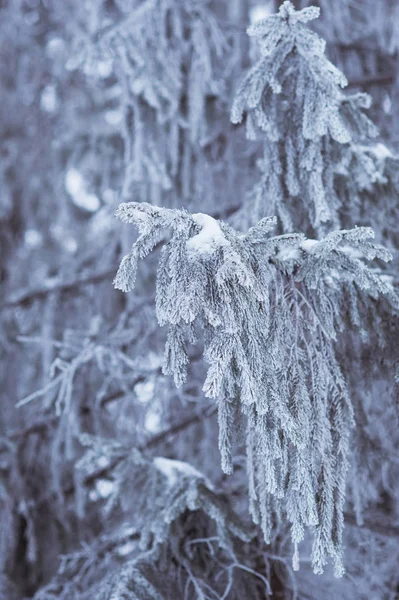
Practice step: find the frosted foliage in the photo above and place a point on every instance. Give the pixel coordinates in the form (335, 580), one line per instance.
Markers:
(302, 139)
(156, 495)
(169, 56)
(366, 173)
(223, 424)
(246, 293)
(351, 20)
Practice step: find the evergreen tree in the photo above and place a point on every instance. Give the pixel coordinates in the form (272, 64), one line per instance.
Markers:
(260, 316)
(295, 395)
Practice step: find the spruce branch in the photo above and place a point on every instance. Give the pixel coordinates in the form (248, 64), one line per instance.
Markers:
(248, 292)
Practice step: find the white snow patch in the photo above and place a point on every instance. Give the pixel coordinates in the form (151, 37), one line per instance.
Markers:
(89, 202)
(138, 85)
(388, 279)
(48, 99)
(51, 282)
(152, 421)
(144, 391)
(288, 253)
(309, 244)
(209, 238)
(381, 151)
(172, 468)
(73, 182)
(33, 238)
(113, 117)
(55, 47)
(332, 278)
(104, 68)
(260, 12)
(103, 462)
(155, 361)
(70, 244)
(150, 361)
(387, 104)
(127, 548)
(76, 188)
(350, 251)
(104, 488)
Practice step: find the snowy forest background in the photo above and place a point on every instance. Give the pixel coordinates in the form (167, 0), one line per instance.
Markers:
(194, 437)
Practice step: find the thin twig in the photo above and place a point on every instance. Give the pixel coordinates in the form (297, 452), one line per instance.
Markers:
(178, 427)
(39, 427)
(372, 80)
(385, 530)
(155, 440)
(27, 296)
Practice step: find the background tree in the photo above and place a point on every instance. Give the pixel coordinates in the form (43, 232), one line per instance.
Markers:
(110, 482)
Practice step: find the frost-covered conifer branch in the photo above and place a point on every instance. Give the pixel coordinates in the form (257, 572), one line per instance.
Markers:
(367, 172)
(269, 309)
(171, 60)
(177, 507)
(292, 99)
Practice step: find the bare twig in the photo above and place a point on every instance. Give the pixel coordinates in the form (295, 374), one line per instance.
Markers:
(41, 426)
(388, 78)
(178, 427)
(150, 443)
(384, 529)
(36, 428)
(27, 296)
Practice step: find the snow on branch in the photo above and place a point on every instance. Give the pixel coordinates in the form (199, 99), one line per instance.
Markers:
(169, 506)
(270, 309)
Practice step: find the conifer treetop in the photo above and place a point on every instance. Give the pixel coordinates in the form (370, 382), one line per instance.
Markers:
(286, 14)
(292, 99)
(279, 36)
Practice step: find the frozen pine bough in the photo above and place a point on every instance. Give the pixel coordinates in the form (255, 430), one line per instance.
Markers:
(267, 312)
(367, 181)
(169, 519)
(293, 102)
(170, 58)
